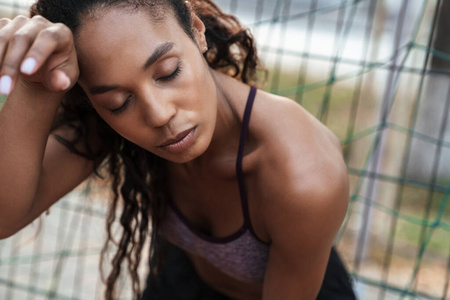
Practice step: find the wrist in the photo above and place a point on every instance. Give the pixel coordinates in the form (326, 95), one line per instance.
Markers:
(32, 103)
(36, 91)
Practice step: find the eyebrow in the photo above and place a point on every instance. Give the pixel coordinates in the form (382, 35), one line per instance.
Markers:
(160, 51)
(96, 90)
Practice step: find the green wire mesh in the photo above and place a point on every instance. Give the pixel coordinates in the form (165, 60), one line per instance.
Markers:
(376, 72)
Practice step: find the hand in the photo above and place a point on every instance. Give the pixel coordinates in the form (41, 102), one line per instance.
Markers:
(36, 54)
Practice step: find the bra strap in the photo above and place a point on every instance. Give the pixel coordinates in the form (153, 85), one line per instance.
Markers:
(240, 156)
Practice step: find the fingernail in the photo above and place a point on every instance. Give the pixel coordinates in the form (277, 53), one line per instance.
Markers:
(28, 65)
(5, 85)
(67, 83)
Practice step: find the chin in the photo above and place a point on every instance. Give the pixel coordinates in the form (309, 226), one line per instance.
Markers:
(186, 156)
(197, 152)
(180, 159)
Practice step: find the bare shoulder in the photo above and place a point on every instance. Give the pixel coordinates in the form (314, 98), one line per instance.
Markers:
(300, 172)
(300, 183)
(292, 139)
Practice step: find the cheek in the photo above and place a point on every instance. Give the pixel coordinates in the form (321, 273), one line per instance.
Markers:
(126, 127)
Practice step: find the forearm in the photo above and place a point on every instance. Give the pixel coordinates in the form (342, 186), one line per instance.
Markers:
(25, 122)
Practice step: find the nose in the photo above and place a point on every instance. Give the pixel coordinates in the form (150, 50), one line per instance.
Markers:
(157, 109)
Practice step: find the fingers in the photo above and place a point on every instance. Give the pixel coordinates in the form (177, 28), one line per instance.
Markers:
(19, 37)
(26, 45)
(8, 28)
(47, 42)
(4, 22)
(59, 81)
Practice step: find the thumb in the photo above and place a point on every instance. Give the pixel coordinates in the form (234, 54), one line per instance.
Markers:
(58, 81)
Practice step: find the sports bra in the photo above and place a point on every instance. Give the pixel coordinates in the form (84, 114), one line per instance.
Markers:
(241, 255)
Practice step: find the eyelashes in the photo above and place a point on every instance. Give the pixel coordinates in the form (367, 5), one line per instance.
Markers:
(162, 79)
(173, 75)
(121, 108)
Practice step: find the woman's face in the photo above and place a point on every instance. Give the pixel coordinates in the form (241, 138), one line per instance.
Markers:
(149, 81)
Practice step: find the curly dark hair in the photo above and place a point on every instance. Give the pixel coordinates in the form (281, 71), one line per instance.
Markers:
(138, 177)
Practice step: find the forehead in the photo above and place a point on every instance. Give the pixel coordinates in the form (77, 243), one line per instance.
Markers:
(123, 33)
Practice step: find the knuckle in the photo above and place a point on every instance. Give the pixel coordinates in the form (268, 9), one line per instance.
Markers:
(62, 31)
(21, 19)
(9, 68)
(4, 22)
(49, 33)
(37, 53)
(63, 28)
(19, 38)
(39, 19)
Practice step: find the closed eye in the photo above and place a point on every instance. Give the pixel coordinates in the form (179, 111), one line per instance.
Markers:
(121, 108)
(173, 75)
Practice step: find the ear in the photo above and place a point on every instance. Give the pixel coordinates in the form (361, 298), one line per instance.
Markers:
(198, 28)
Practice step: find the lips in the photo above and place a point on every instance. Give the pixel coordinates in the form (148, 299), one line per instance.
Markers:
(180, 142)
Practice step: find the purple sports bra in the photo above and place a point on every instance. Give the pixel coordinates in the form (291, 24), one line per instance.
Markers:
(241, 255)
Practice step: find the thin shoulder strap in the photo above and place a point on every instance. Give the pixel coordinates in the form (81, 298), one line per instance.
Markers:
(240, 156)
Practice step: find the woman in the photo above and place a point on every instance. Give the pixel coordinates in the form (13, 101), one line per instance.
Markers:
(158, 91)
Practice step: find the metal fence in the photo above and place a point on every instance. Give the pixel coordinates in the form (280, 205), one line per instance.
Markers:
(375, 72)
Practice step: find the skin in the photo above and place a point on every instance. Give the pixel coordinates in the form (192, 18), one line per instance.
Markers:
(158, 107)
(295, 176)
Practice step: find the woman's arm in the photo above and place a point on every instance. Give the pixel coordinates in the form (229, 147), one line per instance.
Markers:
(304, 199)
(303, 226)
(35, 170)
